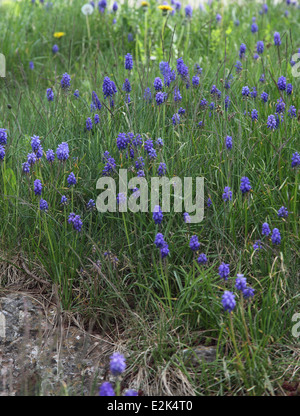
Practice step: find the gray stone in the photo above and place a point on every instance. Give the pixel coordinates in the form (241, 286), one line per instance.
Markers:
(39, 357)
(194, 356)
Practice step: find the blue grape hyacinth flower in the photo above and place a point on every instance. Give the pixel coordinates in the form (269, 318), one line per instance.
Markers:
(38, 187)
(194, 243)
(245, 185)
(43, 205)
(240, 282)
(2, 152)
(276, 237)
(128, 62)
(202, 259)
(295, 159)
(65, 81)
(224, 271)
(106, 389)
(71, 179)
(117, 364)
(157, 214)
(159, 240)
(228, 301)
(283, 212)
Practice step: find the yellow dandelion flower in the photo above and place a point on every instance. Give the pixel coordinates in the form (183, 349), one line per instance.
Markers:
(165, 8)
(145, 4)
(58, 35)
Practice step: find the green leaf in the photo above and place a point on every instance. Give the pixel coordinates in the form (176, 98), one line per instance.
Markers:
(10, 179)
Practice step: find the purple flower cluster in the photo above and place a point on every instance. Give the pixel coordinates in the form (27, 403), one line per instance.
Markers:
(254, 28)
(2, 152)
(3, 136)
(50, 94)
(147, 94)
(109, 88)
(110, 165)
(228, 301)
(280, 106)
(162, 245)
(265, 229)
(102, 4)
(238, 66)
(186, 217)
(117, 367)
(295, 160)
(177, 95)
(276, 237)
(75, 220)
(158, 84)
(62, 152)
(175, 119)
(215, 91)
(227, 102)
(188, 11)
(283, 212)
(242, 50)
(157, 214)
(292, 112)
(161, 97)
(65, 81)
(224, 271)
(257, 245)
(43, 205)
(202, 259)
(195, 81)
(89, 124)
(96, 102)
(182, 69)
(71, 179)
(271, 122)
(260, 47)
(168, 74)
(245, 91)
(106, 389)
(253, 93)
(277, 40)
(162, 169)
(227, 194)
(128, 62)
(159, 240)
(64, 200)
(264, 96)
(228, 142)
(289, 89)
(164, 251)
(117, 364)
(254, 114)
(240, 282)
(115, 7)
(245, 185)
(38, 187)
(218, 18)
(194, 243)
(281, 83)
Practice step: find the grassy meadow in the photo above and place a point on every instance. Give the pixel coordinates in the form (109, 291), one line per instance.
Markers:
(159, 299)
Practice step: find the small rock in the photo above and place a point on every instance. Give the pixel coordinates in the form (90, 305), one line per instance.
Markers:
(193, 357)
